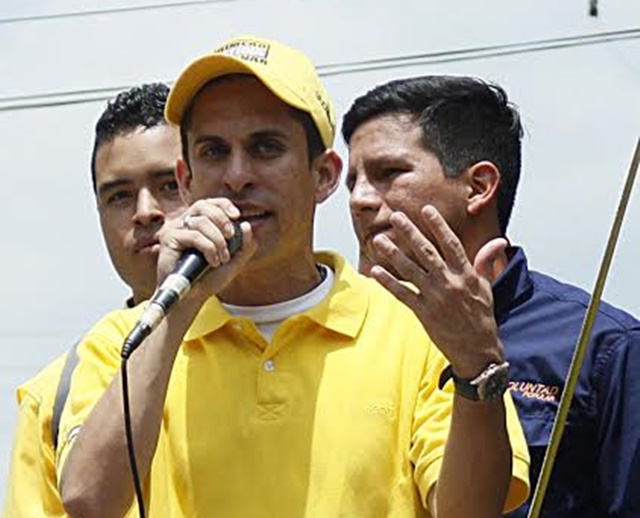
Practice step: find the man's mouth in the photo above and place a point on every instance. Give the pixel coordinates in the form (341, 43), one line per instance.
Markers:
(147, 245)
(253, 216)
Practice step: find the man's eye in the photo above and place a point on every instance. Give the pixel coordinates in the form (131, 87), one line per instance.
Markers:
(389, 173)
(213, 151)
(171, 186)
(118, 197)
(267, 148)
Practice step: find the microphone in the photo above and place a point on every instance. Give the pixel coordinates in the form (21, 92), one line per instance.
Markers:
(191, 266)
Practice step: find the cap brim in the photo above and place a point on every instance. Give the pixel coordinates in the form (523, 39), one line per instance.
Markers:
(208, 68)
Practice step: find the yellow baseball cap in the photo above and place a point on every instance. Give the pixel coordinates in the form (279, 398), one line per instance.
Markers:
(288, 73)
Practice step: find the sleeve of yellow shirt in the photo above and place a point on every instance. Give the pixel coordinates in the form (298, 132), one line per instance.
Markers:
(432, 418)
(520, 486)
(98, 362)
(32, 488)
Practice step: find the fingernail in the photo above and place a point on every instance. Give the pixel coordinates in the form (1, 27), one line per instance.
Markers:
(398, 217)
(228, 230)
(382, 243)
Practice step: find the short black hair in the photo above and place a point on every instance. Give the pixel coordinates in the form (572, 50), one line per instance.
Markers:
(140, 106)
(315, 144)
(464, 120)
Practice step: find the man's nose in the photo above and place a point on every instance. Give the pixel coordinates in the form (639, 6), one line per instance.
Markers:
(364, 196)
(238, 173)
(148, 210)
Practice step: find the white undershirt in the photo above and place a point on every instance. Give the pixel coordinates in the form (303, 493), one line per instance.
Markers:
(268, 318)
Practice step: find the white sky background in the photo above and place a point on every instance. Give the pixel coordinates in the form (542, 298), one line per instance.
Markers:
(580, 107)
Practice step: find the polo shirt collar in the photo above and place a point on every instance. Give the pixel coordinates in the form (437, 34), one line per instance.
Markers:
(343, 310)
(211, 317)
(514, 285)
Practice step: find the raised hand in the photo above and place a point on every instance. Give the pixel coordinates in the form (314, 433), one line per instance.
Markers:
(451, 297)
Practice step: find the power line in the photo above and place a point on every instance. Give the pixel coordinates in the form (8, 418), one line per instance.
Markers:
(99, 94)
(492, 51)
(94, 12)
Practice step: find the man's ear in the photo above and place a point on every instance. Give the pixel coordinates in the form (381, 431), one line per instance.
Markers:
(483, 180)
(326, 169)
(184, 177)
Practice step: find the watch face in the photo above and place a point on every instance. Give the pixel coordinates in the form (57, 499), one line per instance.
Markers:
(493, 382)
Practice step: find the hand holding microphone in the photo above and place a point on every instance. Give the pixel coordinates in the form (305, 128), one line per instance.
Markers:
(191, 265)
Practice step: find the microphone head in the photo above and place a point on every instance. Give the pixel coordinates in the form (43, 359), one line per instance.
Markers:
(234, 243)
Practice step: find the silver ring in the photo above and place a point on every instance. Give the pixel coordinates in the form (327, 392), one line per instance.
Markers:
(186, 221)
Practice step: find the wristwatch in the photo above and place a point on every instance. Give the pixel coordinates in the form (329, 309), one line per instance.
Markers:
(489, 385)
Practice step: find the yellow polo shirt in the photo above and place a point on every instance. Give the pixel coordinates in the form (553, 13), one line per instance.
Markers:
(32, 486)
(32, 489)
(338, 415)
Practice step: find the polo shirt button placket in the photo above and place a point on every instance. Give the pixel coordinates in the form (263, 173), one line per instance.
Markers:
(270, 406)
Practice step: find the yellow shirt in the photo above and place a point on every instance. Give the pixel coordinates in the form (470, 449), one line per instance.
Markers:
(338, 415)
(32, 489)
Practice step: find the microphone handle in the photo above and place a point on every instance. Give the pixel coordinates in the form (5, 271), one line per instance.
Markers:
(191, 266)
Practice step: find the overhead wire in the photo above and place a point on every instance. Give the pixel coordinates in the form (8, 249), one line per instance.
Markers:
(505, 49)
(80, 96)
(112, 10)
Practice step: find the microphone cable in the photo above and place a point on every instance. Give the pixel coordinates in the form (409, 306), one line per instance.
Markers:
(189, 269)
(137, 486)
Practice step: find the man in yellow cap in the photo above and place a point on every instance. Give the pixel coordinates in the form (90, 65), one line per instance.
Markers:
(284, 383)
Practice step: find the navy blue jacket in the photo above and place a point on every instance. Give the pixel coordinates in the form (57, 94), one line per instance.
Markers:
(597, 469)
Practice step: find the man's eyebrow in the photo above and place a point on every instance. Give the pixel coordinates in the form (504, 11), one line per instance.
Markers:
(389, 156)
(110, 186)
(266, 133)
(159, 174)
(207, 138)
(257, 135)
(163, 173)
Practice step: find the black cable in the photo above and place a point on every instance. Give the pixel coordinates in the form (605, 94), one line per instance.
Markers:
(129, 434)
(52, 99)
